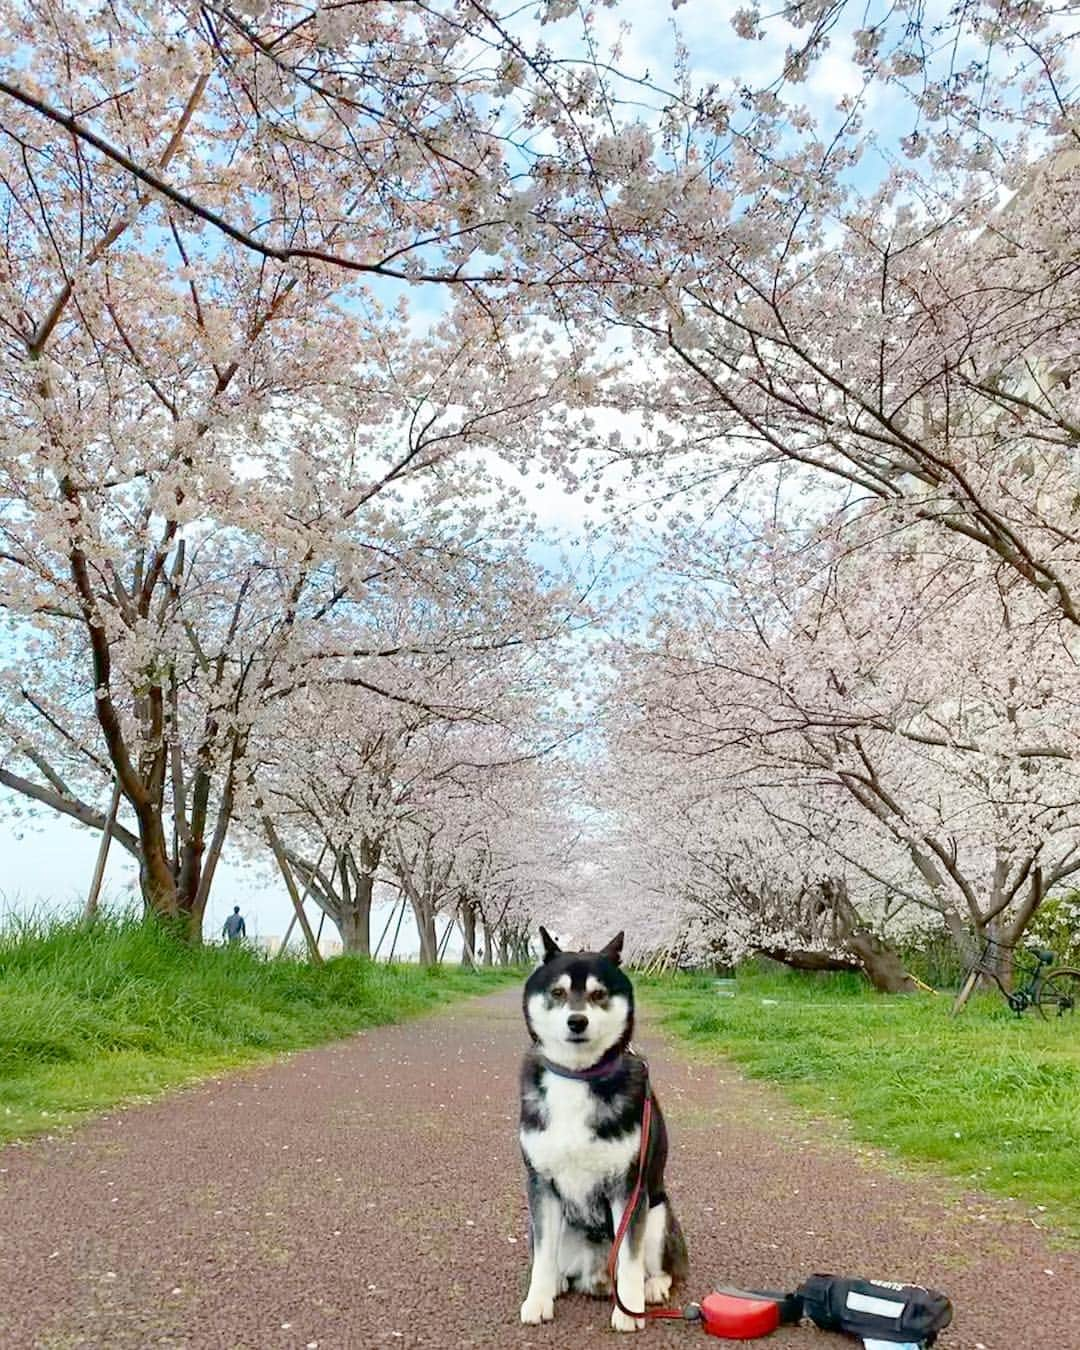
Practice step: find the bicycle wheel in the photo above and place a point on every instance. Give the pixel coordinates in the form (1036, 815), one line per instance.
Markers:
(970, 981)
(1059, 993)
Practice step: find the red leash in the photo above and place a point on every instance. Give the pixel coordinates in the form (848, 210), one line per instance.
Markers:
(628, 1218)
(733, 1314)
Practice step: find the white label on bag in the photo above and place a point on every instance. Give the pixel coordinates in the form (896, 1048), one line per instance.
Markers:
(880, 1307)
(890, 1345)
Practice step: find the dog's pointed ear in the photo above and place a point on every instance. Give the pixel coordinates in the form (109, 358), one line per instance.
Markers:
(551, 947)
(613, 951)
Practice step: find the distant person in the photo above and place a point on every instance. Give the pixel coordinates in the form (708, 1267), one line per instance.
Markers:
(234, 928)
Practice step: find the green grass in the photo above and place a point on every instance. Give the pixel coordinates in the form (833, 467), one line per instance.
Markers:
(93, 1017)
(986, 1098)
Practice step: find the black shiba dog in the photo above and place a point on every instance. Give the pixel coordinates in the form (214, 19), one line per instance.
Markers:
(582, 1095)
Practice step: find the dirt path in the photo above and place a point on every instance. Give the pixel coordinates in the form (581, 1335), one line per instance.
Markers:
(369, 1194)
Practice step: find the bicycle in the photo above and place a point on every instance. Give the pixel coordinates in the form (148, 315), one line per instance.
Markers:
(1042, 988)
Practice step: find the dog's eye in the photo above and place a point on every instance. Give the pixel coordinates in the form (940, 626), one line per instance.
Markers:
(557, 995)
(598, 996)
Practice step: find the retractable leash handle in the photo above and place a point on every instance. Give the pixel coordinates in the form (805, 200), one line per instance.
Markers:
(742, 1314)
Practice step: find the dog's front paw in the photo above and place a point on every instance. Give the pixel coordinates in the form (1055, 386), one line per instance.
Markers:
(657, 1288)
(621, 1322)
(536, 1309)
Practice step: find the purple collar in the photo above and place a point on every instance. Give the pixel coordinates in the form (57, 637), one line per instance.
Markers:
(604, 1067)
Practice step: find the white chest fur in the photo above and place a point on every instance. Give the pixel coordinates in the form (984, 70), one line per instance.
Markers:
(568, 1152)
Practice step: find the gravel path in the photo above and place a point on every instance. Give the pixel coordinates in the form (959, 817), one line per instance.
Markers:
(369, 1194)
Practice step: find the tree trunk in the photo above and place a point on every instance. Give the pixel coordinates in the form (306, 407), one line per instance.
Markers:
(353, 911)
(356, 915)
(192, 914)
(961, 937)
(468, 933)
(156, 878)
(1013, 932)
(178, 896)
(830, 918)
(882, 964)
(877, 958)
(429, 939)
(1000, 958)
(355, 926)
(213, 853)
(489, 945)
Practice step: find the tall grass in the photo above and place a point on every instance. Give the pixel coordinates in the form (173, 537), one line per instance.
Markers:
(987, 1098)
(90, 1016)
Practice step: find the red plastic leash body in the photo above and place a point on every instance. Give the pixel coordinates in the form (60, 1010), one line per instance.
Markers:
(627, 1219)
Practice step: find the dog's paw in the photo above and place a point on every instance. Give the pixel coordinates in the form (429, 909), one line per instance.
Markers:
(621, 1322)
(536, 1310)
(598, 1287)
(657, 1288)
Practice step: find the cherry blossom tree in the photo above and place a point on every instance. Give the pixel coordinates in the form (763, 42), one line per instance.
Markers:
(880, 326)
(416, 790)
(486, 846)
(403, 141)
(527, 867)
(427, 748)
(875, 721)
(878, 294)
(174, 578)
(224, 431)
(705, 871)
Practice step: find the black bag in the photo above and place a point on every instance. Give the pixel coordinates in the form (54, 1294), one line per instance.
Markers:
(875, 1309)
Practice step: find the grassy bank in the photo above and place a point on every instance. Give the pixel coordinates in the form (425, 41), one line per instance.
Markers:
(92, 1018)
(987, 1098)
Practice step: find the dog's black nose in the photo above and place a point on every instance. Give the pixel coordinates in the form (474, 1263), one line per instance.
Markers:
(577, 1022)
